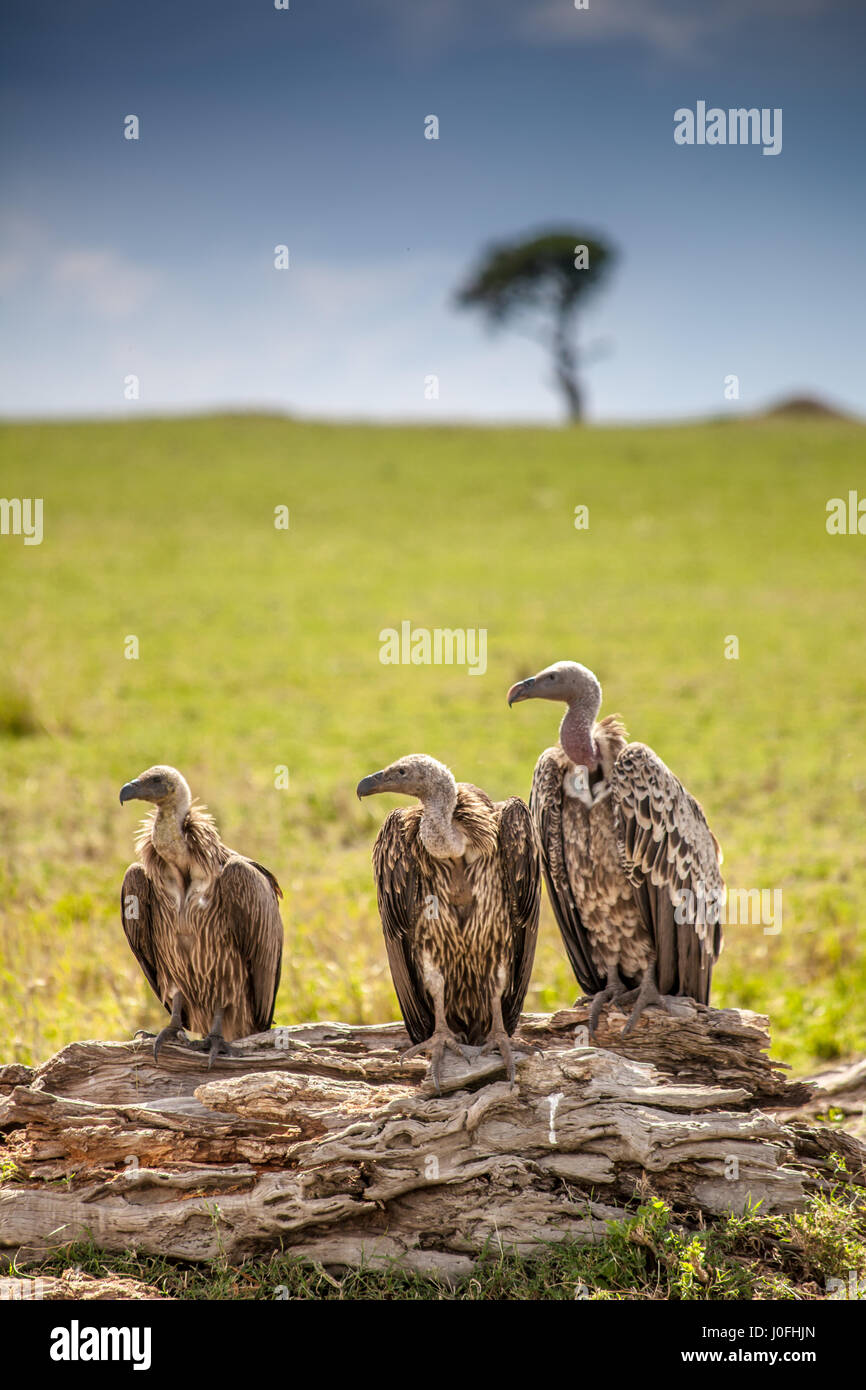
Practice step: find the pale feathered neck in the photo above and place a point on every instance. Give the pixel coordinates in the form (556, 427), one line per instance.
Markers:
(439, 835)
(195, 839)
(474, 817)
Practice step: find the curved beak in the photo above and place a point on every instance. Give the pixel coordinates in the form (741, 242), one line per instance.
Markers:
(523, 690)
(368, 786)
(129, 792)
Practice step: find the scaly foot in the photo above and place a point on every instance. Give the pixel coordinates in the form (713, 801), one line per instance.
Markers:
(437, 1044)
(216, 1046)
(499, 1041)
(170, 1033)
(605, 996)
(646, 997)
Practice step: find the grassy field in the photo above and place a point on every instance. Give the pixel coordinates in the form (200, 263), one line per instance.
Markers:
(259, 648)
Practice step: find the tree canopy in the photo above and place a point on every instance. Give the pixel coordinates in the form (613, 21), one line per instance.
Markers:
(545, 277)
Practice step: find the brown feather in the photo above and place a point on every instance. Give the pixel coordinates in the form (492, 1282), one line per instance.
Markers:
(214, 933)
(614, 869)
(472, 916)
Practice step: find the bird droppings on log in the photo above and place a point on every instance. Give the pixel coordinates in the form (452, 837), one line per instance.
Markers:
(318, 1140)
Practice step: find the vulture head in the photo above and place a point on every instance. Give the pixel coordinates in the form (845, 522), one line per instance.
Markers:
(416, 775)
(578, 688)
(564, 680)
(164, 786)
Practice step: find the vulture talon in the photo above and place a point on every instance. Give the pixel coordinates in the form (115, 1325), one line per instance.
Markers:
(500, 1042)
(216, 1046)
(438, 1043)
(170, 1033)
(647, 997)
(614, 990)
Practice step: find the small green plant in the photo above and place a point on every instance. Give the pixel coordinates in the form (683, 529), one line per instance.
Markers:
(8, 1169)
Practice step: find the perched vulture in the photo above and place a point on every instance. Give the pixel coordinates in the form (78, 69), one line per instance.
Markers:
(458, 880)
(202, 921)
(631, 866)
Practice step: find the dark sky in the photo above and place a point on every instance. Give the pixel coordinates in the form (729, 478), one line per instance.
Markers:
(306, 127)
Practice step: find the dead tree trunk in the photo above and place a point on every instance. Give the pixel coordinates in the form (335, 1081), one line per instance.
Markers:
(319, 1141)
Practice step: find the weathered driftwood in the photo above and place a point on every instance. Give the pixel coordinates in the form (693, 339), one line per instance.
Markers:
(320, 1141)
(842, 1092)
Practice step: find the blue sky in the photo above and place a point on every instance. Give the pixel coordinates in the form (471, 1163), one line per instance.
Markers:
(306, 127)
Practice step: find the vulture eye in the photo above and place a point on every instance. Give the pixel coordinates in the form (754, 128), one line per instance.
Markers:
(550, 677)
(402, 772)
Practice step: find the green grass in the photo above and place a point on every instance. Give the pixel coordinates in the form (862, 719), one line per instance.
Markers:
(260, 647)
(650, 1255)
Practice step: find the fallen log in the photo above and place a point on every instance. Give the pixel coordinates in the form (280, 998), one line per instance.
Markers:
(319, 1140)
(838, 1094)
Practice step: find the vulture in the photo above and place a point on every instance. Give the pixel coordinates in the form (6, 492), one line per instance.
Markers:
(202, 920)
(631, 866)
(458, 881)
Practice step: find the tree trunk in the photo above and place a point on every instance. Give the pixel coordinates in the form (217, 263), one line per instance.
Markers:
(318, 1140)
(565, 363)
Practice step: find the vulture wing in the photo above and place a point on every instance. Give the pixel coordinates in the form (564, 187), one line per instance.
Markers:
(521, 865)
(668, 849)
(137, 907)
(546, 804)
(399, 893)
(248, 901)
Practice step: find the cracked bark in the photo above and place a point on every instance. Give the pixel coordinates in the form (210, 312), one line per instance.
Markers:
(317, 1140)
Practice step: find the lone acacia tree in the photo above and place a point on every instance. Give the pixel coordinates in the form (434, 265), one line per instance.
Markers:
(546, 278)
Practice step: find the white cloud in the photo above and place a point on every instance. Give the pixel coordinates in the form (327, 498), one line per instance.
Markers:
(675, 28)
(657, 23)
(338, 291)
(106, 282)
(101, 281)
